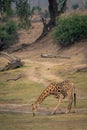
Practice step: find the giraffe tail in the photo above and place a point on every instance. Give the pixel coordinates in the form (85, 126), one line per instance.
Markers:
(74, 99)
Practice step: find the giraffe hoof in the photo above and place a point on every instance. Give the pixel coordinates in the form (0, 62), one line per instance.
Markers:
(67, 112)
(33, 114)
(53, 113)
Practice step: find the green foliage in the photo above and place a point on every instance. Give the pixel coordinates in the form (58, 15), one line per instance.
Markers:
(46, 13)
(5, 7)
(61, 4)
(10, 27)
(35, 8)
(23, 12)
(70, 29)
(75, 6)
(7, 34)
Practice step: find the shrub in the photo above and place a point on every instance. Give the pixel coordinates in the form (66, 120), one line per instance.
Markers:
(70, 29)
(75, 6)
(7, 34)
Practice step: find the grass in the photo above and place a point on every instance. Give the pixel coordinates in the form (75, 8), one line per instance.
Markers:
(24, 91)
(13, 121)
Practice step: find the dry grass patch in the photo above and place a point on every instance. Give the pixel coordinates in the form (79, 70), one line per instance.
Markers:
(13, 121)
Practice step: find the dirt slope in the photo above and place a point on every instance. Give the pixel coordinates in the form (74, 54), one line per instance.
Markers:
(41, 68)
(70, 58)
(77, 52)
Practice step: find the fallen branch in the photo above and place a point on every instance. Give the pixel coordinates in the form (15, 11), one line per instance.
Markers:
(83, 69)
(18, 77)
(53, 56)
(18, 47)
(13, 63)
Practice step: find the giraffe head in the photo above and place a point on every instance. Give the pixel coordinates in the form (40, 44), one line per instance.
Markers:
(34, 108)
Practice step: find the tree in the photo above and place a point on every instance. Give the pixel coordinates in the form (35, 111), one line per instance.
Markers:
(5, 7)
(23, 12)
(55, 9)
(1, 8)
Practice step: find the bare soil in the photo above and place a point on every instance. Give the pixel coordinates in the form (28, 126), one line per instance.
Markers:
(41, 68)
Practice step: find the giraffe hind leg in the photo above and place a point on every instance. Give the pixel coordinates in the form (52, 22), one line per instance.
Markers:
(70, 104)
(58, 103)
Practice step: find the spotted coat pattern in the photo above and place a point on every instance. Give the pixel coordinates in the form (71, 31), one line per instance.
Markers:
(58, 90)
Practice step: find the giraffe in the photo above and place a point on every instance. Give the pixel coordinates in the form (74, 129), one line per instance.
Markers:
(60, 90)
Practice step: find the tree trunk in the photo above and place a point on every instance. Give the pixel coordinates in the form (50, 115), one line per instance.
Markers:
(53, 10)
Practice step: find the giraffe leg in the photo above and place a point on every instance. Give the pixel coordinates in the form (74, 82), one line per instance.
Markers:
(58, 103)
(70, 103)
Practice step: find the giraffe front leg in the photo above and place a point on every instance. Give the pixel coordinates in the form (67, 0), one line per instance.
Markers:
(58, 103)
(70, 104)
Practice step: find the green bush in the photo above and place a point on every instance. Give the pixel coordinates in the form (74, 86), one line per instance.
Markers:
(70, 29)
(75, 6)
(7, 34)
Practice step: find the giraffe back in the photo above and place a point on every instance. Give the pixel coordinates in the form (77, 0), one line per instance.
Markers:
(64, 88)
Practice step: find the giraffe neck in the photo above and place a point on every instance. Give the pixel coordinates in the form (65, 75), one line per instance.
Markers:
(44, 94)
(42, 97)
